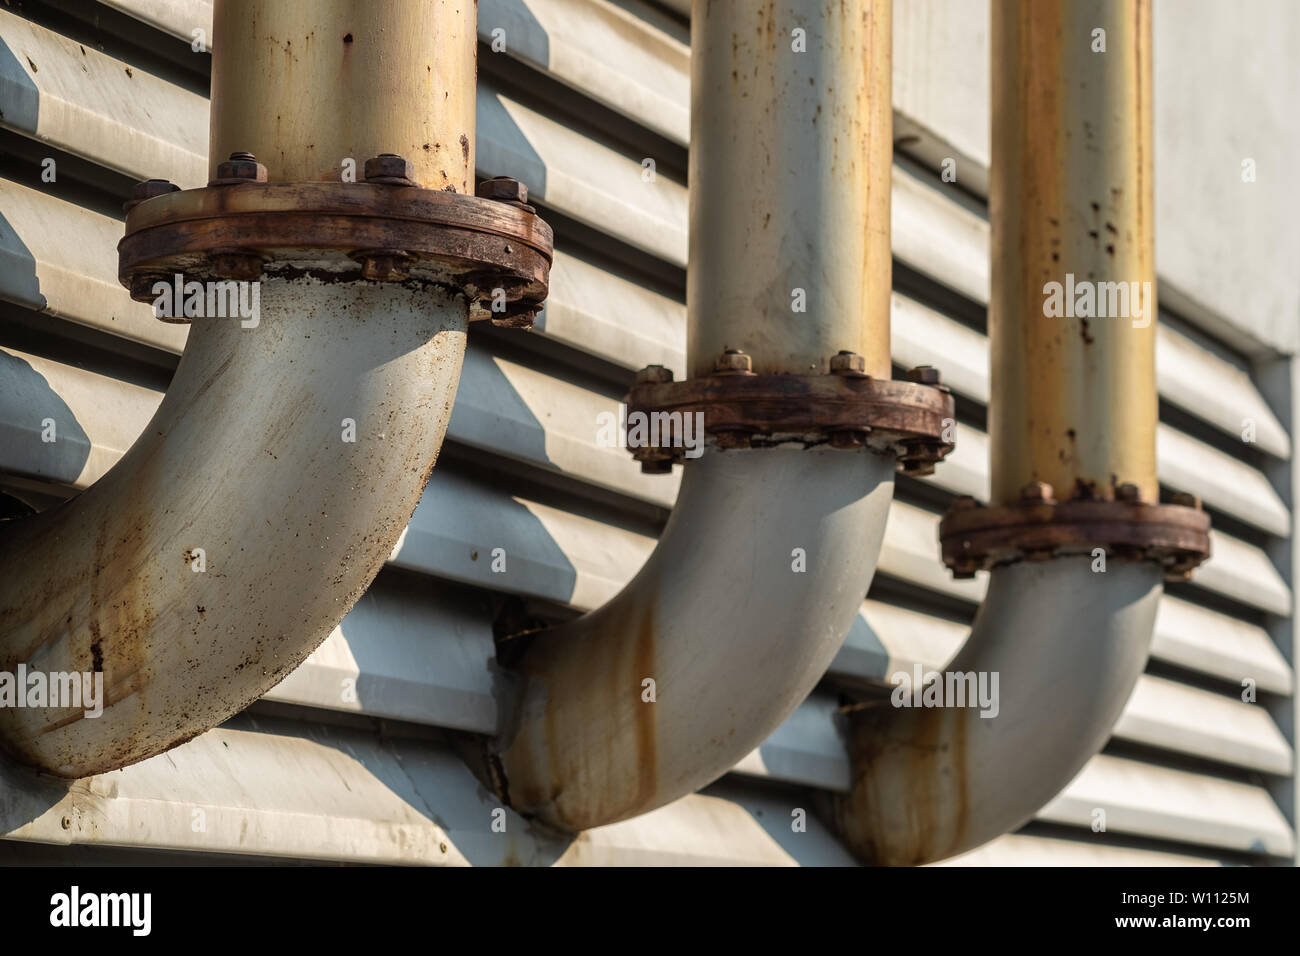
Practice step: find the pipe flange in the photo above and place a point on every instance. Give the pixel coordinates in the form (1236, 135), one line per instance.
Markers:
(975, 538)
(844, 409)
(497, 253)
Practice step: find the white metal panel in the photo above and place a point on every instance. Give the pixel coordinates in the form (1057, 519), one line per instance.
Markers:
(280, 788)
(605, 52)
(61, 258)
(1203, 640)
(1169, 804)
(59, 423)
(517, 411)
(1019, 849)
(420, 654)
(95, 106)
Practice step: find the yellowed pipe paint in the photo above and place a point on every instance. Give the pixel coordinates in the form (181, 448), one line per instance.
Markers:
(354, 79)
(791, 145)
(1071, 202)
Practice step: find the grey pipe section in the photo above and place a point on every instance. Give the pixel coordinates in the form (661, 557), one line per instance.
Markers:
(240, 527)
(1068, 644)
(732, 636)
(719, 637)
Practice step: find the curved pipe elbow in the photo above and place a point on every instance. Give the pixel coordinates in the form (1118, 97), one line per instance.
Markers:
(1067, 646)
(709, 648)
(241, 526)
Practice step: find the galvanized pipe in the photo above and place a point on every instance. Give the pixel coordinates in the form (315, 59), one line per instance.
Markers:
(286, 458)
(768, 553)
(1071, 202)
(1073, 405)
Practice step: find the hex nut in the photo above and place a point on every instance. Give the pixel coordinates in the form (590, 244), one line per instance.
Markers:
(654, 375)
(148, 190)
(240, 266)
(733, 361)
(848, 363)
(240, 168)
(390, 169)
(1186, 499)
(1128, 492)
(1037, 492)
(923, 375)
(503, 189)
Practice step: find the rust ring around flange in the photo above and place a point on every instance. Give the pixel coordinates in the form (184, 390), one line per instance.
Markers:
(740, 409)
(974, 538)
(498, 254)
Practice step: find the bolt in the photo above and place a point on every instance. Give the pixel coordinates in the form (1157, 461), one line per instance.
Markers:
(1186, 499)
(240, 266)
(734, 361)
(385, 266)
(1037, 492)
(848, 363)
(1128, 492)
(389, 169)
(923, 375)
(142, 286)
(654, 375)
(240, 168)
(503, 189)
(152, 187)
(848, 438)
(732, 439)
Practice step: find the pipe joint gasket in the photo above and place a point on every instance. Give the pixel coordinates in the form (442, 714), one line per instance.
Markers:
(1037, 528)
(496, 253)
(847, 408)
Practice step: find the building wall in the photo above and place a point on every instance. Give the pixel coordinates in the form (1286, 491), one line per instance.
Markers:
(352, 758)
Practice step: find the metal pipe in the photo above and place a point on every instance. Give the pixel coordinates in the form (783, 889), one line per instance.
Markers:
(725, 620)
(285, 459)
(306, 86)
(791, 146)
(1067, 645)
(1073, 405)
(1071, 202)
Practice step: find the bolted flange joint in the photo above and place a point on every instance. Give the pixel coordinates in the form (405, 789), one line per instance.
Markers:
(1038, 527)
(496, 252)
(738, 408)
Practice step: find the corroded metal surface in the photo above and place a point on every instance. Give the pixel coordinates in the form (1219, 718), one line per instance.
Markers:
(309, 87)
(791, 148)
(239, 528)
(1175, 536)
(1071, 202)
(845, 409)
(495, 252)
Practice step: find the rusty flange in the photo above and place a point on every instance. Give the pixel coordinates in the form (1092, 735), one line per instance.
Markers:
(1037, 528)
(845, 409)
(498, 253)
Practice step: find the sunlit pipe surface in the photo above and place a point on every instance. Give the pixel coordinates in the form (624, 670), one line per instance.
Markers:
(719, 637)
(732, 636)
(240, 527)
(1067, 644)
(1073, 404)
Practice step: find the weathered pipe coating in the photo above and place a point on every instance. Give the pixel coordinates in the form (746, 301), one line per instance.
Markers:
(244, 459)
(1073, 404)
(790, 172)
(1068, 645)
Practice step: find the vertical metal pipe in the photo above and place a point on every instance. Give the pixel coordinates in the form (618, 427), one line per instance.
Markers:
(791, 144)
(1071, 202)
(352, 79)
